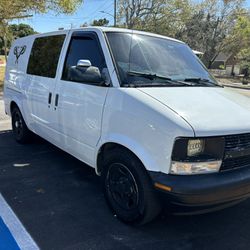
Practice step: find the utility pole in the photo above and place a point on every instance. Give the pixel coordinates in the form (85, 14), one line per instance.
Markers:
(114, 13)
(114, 16)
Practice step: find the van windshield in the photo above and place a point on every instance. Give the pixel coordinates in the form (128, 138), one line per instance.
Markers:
(144, 61)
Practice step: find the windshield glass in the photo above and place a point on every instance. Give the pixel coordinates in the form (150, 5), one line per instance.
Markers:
(148, 60)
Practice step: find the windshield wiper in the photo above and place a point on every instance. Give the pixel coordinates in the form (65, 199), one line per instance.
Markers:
(146, 85)
(151, 76)
(148, 75)
(199, 80)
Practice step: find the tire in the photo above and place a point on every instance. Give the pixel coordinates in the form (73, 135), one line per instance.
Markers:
(21, 132)
(128, 188)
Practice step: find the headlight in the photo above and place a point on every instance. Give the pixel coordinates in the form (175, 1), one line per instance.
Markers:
(185, 168)
(195, 147)
(197, 155)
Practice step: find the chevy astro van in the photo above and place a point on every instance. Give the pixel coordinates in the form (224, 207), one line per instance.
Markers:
(141, 109)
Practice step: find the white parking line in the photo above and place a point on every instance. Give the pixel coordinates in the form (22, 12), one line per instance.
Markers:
(21, 236)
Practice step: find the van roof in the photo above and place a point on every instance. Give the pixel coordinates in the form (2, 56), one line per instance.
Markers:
(112, 29)
(107, 29)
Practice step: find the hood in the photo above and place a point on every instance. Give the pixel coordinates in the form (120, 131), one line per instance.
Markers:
(209, 110)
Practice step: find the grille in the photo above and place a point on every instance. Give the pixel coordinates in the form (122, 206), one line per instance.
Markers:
(238, 162)
(236, 143)
(233, 142)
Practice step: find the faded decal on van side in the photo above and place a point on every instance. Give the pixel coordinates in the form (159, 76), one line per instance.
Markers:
(18, 51)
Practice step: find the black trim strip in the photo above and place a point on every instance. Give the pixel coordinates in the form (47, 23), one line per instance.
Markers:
(237, 153)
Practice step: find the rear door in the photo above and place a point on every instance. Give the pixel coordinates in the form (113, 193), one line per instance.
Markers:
(41, 79)
(79, 103)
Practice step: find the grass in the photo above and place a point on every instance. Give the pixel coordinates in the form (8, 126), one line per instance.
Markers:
(2, 71)
(229, 80)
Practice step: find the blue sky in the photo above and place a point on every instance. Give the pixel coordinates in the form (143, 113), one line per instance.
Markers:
(88, 11)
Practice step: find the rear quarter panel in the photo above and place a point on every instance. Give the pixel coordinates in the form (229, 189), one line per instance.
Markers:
(15, 76)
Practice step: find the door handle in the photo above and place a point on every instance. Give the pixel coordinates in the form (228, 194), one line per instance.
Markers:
(56, 101)
(49, 98)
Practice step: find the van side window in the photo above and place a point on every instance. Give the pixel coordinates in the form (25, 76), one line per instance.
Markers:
(44, 56)
(83, 48)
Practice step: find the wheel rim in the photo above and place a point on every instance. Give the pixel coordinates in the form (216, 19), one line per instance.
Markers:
(122, 186)
(18, 124)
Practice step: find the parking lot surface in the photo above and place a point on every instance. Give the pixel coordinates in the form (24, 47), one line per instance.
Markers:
(59, 201)
(245, 92)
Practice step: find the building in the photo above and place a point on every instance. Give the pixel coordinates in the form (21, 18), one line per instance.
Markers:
(227, 62)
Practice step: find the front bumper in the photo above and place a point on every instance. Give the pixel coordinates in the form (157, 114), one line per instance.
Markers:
(203, 193)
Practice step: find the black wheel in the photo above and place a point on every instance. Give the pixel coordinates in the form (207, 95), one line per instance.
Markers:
(21, 132)
(128, 188)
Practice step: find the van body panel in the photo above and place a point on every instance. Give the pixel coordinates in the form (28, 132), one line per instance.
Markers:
(144, 126)
(210, 111)
(78, 116)
(15, 84)
(38, 91)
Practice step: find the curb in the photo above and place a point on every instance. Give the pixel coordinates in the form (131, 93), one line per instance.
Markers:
(236, 86)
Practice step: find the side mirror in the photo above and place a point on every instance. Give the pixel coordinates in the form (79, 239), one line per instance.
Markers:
(83, 63)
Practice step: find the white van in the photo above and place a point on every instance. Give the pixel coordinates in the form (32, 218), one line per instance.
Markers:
(139, 108)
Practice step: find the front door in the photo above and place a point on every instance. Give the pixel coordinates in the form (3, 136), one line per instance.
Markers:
(80, 101)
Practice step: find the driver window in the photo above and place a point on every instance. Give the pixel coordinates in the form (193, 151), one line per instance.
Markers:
(84, 48)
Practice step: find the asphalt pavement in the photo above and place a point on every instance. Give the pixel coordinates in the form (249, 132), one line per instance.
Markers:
(59, 201)
(245, 92)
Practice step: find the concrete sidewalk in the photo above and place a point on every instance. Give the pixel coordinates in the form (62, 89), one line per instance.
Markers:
(5, 121)
(236, 85)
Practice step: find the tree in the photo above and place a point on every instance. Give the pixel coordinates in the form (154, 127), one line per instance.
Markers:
(22, 8)
(203, 25)
(133, 13)
(21, 30)
(158, 16)
(15, 31)
(238, 42)
(169, 17)
(244, 56)
(4, 39)
(209, 27)
(17, 8)
(100, 22)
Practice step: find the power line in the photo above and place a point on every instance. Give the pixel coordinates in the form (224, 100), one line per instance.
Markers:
(113, 15)
(105, 9)
(98, 8)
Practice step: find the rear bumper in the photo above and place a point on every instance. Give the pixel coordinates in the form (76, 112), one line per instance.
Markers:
(204, 193)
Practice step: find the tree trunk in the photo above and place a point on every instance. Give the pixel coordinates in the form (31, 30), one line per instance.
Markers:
(232, 70)
(4, 29)
(5, 47)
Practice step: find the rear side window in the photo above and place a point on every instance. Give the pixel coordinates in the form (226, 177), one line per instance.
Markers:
(44, 56)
